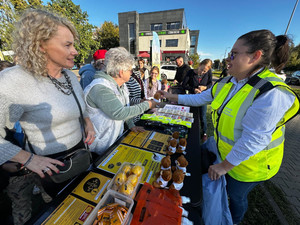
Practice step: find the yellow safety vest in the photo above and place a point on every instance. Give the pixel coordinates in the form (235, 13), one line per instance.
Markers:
(227, 122)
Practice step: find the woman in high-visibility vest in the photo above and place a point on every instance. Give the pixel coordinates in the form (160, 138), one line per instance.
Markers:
(249, 112)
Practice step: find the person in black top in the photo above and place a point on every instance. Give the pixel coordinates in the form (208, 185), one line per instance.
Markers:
(197, 81)
(182, 70)
(224, 72)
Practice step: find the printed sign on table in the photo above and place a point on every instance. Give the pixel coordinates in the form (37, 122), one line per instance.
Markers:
(79, 204)
(92, 187)
(150, 140)
(71, 211)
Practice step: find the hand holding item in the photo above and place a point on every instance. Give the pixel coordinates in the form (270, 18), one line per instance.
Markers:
(197, 91)
(157, 97)
(217, 170)
(42, 165)
(202, 88)
(152, 104)
(171, 97)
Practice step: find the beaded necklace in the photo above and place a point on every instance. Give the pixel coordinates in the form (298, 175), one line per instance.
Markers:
(64, 87)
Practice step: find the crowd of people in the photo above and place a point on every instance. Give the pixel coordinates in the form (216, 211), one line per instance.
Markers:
(47, 102)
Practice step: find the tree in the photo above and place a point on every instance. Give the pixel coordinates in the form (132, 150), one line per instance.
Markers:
(7, 18)
(107, 36)
(80, 20)
(9, 10)
(19, 5)
(216, 64)
(294, 61)
(196, 60)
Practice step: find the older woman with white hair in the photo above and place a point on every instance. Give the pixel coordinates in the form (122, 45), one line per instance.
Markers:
(107, 99)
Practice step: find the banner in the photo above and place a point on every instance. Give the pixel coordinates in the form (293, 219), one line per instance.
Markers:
(156, 52)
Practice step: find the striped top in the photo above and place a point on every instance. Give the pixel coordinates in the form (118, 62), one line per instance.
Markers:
(135, 94)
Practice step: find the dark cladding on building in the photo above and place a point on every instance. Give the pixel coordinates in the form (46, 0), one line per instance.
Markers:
(174, 36)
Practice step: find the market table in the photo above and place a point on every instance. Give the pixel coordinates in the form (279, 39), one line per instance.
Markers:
(192, 184)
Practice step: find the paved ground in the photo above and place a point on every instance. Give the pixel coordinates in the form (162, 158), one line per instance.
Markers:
(288, 177)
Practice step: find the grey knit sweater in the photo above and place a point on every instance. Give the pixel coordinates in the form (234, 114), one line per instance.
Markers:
(49, 117)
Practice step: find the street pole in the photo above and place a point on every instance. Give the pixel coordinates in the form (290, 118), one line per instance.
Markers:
(291, 17)
(225, 52)
(224, 56)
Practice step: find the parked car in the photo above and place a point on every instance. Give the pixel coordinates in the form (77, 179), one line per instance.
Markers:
(295, 78)
(281, 75)
(168, 71)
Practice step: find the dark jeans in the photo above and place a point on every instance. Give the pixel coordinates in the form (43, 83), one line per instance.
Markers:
(203, 122)
(238, 202)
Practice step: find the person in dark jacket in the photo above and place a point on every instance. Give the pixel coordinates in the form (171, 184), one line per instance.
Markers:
(88, 71)
(224, 72)
(197, 81)
(182, 70)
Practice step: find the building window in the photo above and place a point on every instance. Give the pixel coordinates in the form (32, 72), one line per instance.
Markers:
(173, 25)
(132, 30)
(193, 40)
(192, 51)
(132, 46)
(151, 43)
(132, 38)
(156, 26)
(172, 43)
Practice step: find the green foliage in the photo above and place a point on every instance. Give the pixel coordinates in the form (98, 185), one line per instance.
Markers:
(216, 64)
(294, 61)
(37, 3)
(7, 17)
(19, 5)
(80, 20)
(196, 60)
(107, 36)
(9, 10)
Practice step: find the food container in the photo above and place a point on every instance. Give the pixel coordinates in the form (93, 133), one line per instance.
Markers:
(127, 179)
(112, 197)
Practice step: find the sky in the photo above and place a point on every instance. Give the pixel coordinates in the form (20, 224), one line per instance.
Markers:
(220, 22)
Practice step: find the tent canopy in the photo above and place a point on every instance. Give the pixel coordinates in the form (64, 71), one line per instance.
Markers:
(144, 54)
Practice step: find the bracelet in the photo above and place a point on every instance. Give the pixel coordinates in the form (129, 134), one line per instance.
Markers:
(28, 161)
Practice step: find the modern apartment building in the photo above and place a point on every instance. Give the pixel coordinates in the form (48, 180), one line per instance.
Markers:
(176, 39)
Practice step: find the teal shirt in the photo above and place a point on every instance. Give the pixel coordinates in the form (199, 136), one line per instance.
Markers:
(105, 99)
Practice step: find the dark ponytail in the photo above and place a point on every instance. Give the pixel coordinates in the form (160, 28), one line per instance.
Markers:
(275, 49)
(281, 53)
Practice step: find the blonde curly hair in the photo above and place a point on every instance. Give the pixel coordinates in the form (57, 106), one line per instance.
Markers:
(34, 27)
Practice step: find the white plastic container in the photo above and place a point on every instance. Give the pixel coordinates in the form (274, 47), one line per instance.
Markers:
(112, 197)
(114, 186)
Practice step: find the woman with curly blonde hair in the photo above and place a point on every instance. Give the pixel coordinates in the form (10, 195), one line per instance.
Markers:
(38, 93)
